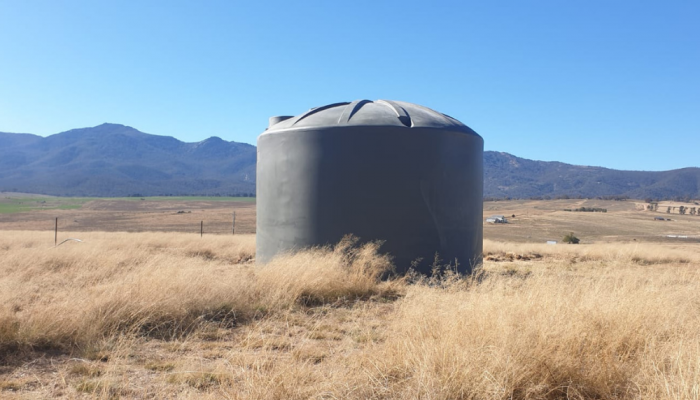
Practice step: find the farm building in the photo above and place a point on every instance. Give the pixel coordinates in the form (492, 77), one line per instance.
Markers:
(497, 219)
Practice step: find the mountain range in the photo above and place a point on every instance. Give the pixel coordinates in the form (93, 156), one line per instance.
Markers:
(506, 175)
(116, 160)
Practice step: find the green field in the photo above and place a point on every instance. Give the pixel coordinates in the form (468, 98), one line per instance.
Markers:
(184, 198)
(9, 204)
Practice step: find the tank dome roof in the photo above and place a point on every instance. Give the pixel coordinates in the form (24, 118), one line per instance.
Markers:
(369, 113)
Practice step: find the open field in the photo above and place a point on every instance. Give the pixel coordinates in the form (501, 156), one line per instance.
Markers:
(145, 308)
(538, 221)
(160, 315)
(130, 214)
(11, 205)
(24, 202)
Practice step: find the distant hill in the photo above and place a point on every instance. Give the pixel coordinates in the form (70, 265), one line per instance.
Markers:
(506, 175)
(117, 160)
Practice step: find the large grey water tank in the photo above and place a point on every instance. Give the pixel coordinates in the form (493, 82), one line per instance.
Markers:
(380, 170)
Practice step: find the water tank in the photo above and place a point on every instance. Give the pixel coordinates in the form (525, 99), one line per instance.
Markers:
(380, 170)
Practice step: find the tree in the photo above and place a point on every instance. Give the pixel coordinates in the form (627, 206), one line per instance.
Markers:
(668, 210)
(571, 239)
(681, 210)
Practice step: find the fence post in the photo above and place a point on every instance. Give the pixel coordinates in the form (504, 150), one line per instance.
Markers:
(55, 233)
(201, 229)
(233, 229)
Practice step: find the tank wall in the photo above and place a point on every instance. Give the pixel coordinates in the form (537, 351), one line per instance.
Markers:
(418, 189)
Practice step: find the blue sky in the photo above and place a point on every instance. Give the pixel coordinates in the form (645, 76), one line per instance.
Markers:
(609, 83)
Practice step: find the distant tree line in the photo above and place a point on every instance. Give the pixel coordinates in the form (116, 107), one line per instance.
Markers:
(680, 199)
(587, 209)
(682, 210)
(559, 197)
(195, 195)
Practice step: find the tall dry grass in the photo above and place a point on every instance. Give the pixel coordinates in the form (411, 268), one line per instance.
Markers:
(79, 295)
(586, 322)
(610, 332)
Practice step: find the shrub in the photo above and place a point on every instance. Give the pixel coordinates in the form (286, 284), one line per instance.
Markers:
(571, 239)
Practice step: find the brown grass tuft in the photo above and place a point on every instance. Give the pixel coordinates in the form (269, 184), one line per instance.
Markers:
(347, 271)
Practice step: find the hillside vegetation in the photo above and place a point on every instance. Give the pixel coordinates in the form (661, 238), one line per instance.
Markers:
(145, 315)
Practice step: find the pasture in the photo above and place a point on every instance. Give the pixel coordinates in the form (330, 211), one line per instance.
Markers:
(537, 221)
(128, 214)
(157, 314)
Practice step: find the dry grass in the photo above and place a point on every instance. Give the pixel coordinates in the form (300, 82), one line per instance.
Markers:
(540, 221)
(597, 332)
(171, 315)
(113, 215)
(80, 295)
(621, 253)
(316, 276)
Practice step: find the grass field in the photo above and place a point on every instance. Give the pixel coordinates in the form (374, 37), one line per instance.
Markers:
(625, 221)
(167, 314)
(160, 315)
(10, 205)
(16, 203)
(130, 214)
(534, 222)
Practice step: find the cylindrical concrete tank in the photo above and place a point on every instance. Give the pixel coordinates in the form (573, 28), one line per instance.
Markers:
(382, 170)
